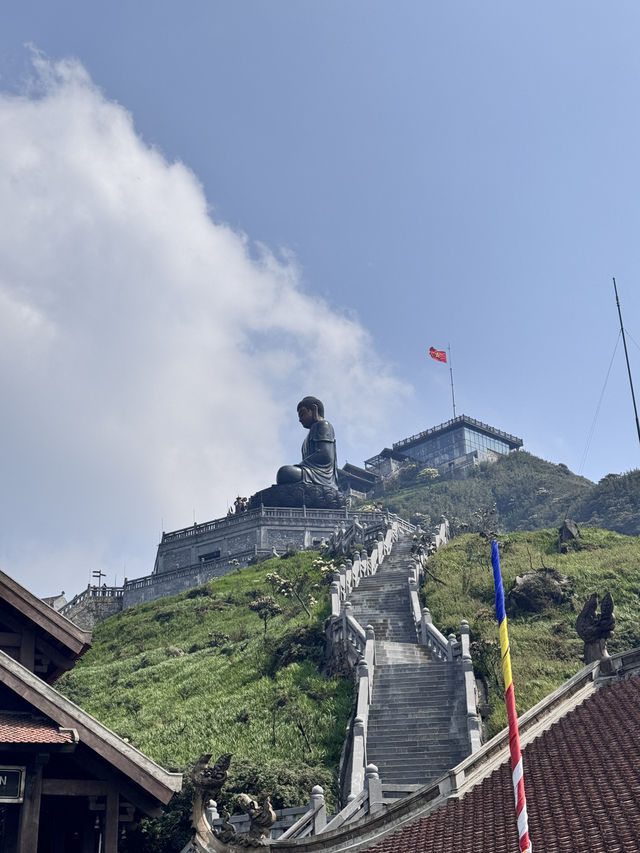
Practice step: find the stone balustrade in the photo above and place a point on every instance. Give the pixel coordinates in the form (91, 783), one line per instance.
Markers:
(446, 648)
(347, 637)
(92, 592)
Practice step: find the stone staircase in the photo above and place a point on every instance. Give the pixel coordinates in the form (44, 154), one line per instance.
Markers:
(417, 725)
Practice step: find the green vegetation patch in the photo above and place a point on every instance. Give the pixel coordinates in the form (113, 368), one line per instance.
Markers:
(518, 492)
(197, 673)
(545, 648)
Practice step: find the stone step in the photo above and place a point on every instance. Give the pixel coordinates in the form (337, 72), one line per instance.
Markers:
(406, 722)
(419, 679)
(425, 687)
(395, 754)
(431, 759)
(413, 763)
(424, 682)
(433, 737)
(444, 744)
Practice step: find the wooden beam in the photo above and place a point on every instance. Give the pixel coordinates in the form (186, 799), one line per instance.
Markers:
(139, 798)
(30, 809)
(55, 655)
(28, 649)
(61, 661)
(75, 788)
(111, 819)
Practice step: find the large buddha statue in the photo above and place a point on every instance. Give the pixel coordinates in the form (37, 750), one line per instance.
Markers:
(313, 482)
(318, 465)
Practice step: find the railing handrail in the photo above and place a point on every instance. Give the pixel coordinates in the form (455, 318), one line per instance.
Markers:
(352, 808)
(271, 512)
(297, 829)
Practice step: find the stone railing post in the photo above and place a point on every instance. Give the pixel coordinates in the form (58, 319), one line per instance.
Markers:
(473, 724)
(451, 641)
(370, 654)
(373, 562)
(415, 601)
(343, 579)
(426, 618)
(319, 809)
(346, 613)
(349, 577)
(362, 706)
(374, 788)
(335, 599)
(358, 758)
(211, 811)
(356, 571)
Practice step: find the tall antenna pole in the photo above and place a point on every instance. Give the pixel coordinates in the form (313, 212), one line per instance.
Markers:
(453, 398)
(626, 355)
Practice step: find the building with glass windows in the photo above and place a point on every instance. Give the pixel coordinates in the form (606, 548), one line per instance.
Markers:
(451, 448)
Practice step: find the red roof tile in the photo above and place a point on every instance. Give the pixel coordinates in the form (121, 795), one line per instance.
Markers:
(582, 780)
(28, 728)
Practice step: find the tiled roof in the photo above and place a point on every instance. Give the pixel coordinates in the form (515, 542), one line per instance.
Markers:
(582, 779)
(28, 728)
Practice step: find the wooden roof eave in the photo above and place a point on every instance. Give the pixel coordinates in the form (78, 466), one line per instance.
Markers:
(137, 767)
(44, 617)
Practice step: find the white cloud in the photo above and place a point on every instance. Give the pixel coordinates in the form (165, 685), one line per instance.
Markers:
(151, 358)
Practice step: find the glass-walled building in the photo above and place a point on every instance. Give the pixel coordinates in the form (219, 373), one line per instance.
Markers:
(452, 446)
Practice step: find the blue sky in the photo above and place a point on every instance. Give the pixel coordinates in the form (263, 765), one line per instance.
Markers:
(213, 209)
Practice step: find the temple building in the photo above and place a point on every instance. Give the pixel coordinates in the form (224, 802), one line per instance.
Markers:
(67, 783)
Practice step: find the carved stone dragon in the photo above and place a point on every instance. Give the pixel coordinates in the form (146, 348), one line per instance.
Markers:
(596, 628)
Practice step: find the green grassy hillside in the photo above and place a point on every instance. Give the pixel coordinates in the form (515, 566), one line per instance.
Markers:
(521, 492)
(197, 673)
(545, 648)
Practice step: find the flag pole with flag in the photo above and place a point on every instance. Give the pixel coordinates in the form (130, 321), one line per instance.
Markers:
(510, 700)
(441, 355)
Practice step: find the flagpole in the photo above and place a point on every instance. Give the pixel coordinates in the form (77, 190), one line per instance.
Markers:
(626, 355)
(517, 776)
(453, 399)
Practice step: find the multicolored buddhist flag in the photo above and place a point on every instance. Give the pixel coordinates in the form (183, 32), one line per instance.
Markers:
(510, 699)
(438, 354)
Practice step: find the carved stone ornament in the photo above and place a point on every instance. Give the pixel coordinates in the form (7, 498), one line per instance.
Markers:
(207, 780)
(262, 816)
(596, 628)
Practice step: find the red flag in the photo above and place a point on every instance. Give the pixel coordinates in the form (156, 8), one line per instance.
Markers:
(438, 354)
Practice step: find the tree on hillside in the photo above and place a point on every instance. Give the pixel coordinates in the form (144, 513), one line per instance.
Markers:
(267, 608)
